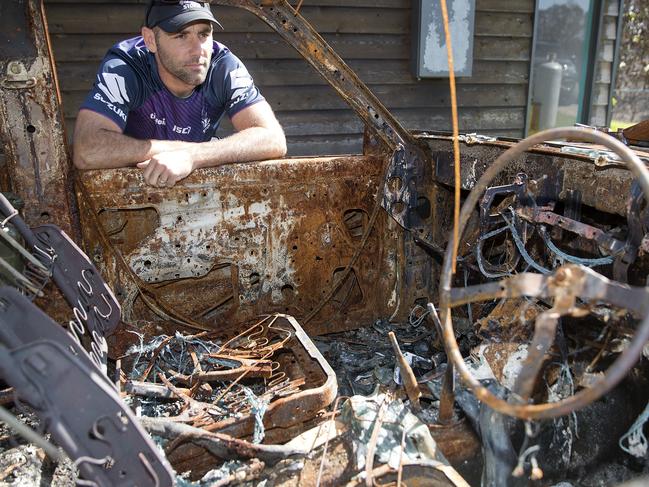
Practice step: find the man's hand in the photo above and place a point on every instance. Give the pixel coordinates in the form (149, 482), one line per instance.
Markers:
(167, 168)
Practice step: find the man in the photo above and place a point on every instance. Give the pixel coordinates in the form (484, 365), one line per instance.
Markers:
(158, 99)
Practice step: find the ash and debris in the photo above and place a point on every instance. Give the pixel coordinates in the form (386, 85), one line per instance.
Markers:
(579, 450)
(22, 465)
(170, 353)
(154, 408)
(363, 358)
(225, 471)
(25, 465)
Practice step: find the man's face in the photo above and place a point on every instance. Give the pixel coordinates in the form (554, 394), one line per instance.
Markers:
(186, 54)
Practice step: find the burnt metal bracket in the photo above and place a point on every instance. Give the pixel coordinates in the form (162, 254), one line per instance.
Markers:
(637, 218)
(76, 402)
(400, 199)
(17, 77)
(409, 159)
(517, 189)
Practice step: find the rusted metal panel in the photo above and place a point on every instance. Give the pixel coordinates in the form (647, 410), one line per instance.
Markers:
(31, 127)
(236, 241)
(600, 181)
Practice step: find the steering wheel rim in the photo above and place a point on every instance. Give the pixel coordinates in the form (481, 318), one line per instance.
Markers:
(627, 359)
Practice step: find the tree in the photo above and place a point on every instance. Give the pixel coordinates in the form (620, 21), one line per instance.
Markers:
(561, 31)
(632, 86)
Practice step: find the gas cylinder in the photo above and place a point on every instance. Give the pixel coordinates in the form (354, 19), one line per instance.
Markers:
(545, 95)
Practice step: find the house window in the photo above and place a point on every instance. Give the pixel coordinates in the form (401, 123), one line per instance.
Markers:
(563, 59)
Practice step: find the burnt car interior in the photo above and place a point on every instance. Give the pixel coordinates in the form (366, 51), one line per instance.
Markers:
(321, 320)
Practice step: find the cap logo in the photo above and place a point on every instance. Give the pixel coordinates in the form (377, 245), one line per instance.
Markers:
(170, 15)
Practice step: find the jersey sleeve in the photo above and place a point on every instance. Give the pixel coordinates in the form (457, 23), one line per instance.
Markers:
(238, 89)
(115, 90)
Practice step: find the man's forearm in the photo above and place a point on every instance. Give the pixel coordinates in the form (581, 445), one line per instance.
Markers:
(251, 144)
(107, 149)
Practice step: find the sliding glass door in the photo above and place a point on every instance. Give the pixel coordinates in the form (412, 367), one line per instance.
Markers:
(561, 63)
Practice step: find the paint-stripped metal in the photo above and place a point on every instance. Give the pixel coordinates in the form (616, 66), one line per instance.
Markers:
(31, 126)
(229, 243)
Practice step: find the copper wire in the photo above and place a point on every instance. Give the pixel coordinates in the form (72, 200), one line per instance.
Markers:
(271, 350)
(456, 134)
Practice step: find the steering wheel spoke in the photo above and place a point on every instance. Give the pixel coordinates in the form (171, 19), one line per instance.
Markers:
(545, 329)
(516, 286)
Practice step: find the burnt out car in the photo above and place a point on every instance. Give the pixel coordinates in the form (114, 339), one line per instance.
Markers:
(234, 275)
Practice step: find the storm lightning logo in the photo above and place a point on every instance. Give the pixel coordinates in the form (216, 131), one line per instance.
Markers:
(240, 81)
(114, 87)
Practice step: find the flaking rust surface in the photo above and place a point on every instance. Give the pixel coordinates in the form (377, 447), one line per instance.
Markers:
(256, 238)
(600, 187)
(32, 133)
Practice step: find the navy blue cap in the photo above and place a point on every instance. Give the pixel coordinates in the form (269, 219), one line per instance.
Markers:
(172, 15)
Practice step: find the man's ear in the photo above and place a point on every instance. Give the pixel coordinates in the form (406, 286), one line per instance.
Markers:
(149, 39)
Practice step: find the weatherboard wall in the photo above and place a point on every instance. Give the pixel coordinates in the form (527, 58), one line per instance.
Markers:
(373, 36)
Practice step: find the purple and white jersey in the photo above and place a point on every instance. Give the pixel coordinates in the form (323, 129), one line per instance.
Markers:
(128, 90)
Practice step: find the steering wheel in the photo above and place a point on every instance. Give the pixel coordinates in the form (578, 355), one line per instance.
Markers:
(563, 286)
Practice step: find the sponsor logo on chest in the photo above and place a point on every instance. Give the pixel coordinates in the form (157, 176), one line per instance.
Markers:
(158, 120)
(162, 122)
(182, 130)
